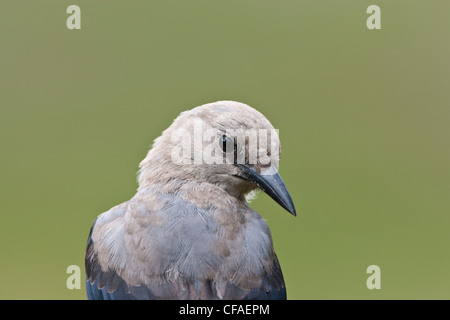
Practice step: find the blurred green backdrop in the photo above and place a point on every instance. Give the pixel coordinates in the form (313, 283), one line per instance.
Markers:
(364, 120)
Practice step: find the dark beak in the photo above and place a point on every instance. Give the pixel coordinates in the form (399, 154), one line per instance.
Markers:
(271, 183)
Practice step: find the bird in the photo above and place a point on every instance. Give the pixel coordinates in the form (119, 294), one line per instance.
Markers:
(189, 233)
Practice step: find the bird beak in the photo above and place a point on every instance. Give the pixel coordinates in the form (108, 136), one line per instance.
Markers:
(271, 183)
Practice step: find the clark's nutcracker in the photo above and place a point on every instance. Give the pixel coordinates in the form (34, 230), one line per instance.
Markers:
(188, 233)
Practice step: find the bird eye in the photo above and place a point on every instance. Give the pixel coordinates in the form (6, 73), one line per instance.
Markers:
(227, 145)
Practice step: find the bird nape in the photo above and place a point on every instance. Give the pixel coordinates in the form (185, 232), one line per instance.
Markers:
(188, 232)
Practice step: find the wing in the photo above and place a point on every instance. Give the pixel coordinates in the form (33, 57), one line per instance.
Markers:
(102, 285)
(108, 285)
(273, 287)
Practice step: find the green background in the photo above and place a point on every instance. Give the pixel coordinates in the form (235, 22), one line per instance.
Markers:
(364, 120)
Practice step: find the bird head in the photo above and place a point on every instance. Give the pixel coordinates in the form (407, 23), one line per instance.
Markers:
(225, 143)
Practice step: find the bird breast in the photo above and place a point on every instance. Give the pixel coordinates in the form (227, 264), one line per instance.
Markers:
(170, 236)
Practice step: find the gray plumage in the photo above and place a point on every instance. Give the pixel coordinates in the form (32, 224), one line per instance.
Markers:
(188, 233)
